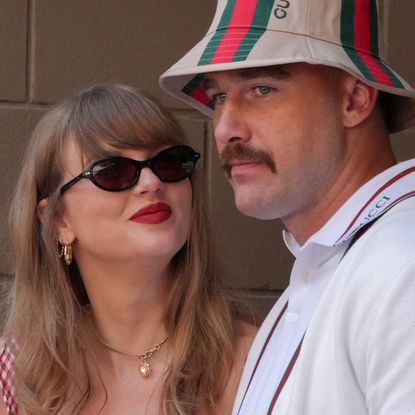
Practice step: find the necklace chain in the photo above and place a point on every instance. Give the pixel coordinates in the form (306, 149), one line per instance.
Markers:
(144, 367)
(145, 355)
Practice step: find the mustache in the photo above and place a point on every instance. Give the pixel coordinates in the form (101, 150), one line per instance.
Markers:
(240, 152)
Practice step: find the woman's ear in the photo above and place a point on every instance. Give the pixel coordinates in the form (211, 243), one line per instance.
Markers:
(359, 101)
(65, 234)
(41, 208)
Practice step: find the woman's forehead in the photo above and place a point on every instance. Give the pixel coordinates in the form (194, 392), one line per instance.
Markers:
(73, 156)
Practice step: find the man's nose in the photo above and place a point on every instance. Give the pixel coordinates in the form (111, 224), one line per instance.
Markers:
(230, 124)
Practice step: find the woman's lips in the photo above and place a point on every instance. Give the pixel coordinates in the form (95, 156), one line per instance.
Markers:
(152, 214)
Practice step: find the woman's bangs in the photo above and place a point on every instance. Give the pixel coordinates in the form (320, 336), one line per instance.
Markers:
(97, 128)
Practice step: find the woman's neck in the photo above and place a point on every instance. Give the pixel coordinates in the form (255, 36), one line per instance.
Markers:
(128, 303)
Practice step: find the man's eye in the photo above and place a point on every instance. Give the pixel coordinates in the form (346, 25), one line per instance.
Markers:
(219, 98)
(263, 90)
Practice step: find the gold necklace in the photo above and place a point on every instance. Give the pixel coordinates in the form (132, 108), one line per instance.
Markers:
(144, 366)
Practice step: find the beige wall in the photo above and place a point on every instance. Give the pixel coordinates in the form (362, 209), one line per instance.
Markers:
(51, 47)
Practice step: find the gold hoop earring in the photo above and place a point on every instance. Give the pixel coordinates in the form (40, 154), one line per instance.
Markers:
(65, 251)
(67, 254)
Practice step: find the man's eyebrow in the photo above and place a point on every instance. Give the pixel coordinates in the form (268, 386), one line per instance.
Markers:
(276, 72)
(208, 83)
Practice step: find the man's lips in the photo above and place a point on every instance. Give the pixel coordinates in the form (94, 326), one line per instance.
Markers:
(237, 163)
(152, 214)
(236, 167)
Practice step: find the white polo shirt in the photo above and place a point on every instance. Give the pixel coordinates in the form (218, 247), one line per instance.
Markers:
(278, 343)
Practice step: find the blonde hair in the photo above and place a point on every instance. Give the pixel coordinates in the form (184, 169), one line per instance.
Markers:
(48, 301)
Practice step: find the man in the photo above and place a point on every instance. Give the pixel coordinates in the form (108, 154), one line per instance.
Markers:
(303, 104)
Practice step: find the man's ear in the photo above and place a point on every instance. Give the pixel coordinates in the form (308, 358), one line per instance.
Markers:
(359, 101)
(65, 234)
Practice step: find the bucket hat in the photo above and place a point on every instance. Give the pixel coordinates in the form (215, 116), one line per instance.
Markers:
(346, 34)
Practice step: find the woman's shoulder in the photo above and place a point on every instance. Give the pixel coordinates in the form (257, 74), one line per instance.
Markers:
(246, 332)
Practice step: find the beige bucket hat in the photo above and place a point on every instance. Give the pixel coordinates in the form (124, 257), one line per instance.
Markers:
(346, 34)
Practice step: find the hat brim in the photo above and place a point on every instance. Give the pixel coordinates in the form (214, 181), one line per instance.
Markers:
(183, 80)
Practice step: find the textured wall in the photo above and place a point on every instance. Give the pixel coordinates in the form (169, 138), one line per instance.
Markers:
(52, 47)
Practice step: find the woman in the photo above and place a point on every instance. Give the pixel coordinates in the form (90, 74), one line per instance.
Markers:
(116, 307)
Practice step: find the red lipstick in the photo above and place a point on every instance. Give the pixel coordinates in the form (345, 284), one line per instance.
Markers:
(152, 214)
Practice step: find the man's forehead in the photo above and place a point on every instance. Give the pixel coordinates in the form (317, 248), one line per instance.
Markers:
(276, 71)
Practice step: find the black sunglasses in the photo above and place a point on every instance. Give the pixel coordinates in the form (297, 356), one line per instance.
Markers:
(115, 174)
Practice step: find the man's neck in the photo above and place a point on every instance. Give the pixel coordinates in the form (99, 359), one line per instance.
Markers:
(366, 160)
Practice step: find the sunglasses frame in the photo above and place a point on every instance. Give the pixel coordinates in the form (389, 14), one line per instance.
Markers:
(139, 165)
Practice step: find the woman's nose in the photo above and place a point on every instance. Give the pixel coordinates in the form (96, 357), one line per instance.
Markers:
(148, 182)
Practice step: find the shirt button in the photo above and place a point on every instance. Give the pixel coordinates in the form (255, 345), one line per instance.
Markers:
(305, 276)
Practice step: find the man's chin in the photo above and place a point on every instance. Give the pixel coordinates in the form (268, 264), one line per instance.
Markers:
(255, 210)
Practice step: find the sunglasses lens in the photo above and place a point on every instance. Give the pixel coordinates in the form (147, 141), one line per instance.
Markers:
(114, 174)
(174, 164)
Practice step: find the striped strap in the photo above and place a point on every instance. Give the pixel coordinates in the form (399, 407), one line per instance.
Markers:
(285, 377)
(396, 194)
(277, 321)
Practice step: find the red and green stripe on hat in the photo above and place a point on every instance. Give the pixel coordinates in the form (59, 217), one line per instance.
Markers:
(244, 22)
(360, 40)
(240, 27)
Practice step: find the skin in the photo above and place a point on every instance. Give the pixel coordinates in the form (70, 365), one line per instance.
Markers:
(297, 140)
